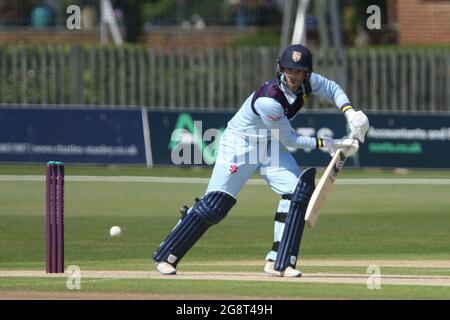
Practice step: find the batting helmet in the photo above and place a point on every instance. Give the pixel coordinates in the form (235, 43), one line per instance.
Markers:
(296, 57)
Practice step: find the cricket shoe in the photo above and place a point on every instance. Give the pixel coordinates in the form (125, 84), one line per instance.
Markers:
(166, 268)
(288, 272)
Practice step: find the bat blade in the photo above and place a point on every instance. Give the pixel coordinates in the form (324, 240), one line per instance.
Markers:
(323, 188)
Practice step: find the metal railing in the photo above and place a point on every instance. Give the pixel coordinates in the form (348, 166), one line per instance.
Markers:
(212, 78)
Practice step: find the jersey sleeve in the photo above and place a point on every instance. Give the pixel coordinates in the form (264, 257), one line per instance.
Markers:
(273, 117)
(328, 89)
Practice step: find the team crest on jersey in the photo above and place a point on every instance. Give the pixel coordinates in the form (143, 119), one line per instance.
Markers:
(296, 56)
(234, 168)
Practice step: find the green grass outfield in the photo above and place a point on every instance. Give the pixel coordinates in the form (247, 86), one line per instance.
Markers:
(372, 223)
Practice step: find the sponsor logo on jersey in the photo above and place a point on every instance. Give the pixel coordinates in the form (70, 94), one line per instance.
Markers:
(273, 118)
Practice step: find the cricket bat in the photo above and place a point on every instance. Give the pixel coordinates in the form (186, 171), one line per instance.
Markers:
(323, 188)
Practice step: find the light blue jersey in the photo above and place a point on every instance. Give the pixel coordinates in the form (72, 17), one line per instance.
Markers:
(246, 142)
(271, 113)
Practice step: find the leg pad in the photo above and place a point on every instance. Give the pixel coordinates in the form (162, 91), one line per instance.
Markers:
(295, 221)
(207, 211)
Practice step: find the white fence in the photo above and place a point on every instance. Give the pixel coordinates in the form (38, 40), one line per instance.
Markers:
(400, 80)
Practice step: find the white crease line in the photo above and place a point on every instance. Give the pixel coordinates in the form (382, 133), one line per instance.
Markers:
(246, 276)
(27, 285)
(30, 178)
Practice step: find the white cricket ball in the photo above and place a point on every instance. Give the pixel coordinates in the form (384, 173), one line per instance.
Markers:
(115, 231)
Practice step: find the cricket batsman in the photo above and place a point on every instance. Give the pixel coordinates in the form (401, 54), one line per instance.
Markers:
(256, 139)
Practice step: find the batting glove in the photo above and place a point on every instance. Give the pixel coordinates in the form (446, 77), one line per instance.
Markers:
(358, 123)
(348, 145)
